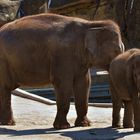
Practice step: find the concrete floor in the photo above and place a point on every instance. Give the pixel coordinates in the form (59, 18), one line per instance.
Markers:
(34, 122)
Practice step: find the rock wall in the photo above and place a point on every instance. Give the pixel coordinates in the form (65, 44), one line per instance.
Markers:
(127, 13)
(31, 7)
(89, 9)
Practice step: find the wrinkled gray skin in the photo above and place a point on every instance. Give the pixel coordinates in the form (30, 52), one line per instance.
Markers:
(46, 48)
(125, 87)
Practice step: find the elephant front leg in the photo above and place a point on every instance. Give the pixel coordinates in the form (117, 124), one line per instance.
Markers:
(81, 91)
(6, 115)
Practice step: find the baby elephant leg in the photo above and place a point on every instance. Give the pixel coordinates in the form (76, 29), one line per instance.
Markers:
(117, 104)
(116, 114)
(136, 107)
(6, 115)
(128, 120)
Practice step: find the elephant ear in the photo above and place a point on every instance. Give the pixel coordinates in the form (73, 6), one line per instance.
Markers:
(96, 36)
(130, 75)
(91, 40)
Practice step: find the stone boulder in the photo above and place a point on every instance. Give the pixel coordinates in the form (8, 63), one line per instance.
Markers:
(8, 11)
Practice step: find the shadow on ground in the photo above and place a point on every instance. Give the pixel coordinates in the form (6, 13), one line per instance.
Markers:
(89, 134)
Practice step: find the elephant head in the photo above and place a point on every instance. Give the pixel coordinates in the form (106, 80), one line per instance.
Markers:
(133, 73)
(103, 44)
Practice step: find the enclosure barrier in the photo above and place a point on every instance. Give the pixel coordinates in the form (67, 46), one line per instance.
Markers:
(25, 94)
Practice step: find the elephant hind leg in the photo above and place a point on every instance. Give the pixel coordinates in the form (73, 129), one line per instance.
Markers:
(128, 120)
(81, 92)
(136, 107)
(116, 114)
(117, 104)
(6, 115)
(63, 93)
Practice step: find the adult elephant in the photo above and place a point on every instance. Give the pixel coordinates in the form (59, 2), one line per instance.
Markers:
(47, 48)
(125, 86)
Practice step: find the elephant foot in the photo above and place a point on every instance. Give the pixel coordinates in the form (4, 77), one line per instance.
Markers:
(9, 122)
(82, 122)
(61, 124)
(128, 125)
(136, 129)
(6, 118)
(117, 126)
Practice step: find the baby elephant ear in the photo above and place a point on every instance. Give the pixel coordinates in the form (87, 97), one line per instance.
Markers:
(130, 76)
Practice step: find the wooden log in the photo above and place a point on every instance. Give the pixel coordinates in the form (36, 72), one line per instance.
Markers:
(25, 94)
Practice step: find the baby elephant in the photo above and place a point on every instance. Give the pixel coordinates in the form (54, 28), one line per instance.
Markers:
(125, 88)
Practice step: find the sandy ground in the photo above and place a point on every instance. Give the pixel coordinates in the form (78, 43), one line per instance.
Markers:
(34, 122)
